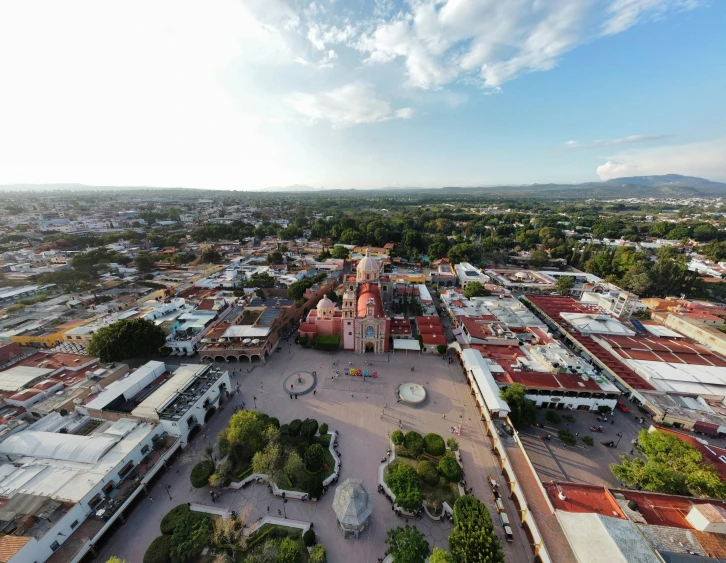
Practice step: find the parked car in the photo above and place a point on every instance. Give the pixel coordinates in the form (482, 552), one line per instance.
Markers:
(622, 407)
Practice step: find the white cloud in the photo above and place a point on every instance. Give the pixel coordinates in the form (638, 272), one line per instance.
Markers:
(630, 139)
(352, 104)
(706, 159)
(623, 14)
(440, 41)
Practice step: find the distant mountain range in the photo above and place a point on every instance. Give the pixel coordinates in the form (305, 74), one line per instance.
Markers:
(667, 185)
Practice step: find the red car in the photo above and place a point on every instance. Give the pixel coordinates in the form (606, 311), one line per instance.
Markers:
(622, 407)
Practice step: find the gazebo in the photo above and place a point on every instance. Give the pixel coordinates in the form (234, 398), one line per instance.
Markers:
(353, 505)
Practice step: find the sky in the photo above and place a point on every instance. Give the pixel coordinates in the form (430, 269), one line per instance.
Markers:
(250, 94)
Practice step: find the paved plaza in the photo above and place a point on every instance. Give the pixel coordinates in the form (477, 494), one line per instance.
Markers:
(354, 406)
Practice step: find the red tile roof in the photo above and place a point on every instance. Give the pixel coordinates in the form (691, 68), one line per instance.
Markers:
(433, 339)
(10, 545)
(583, 499)
(368, 291)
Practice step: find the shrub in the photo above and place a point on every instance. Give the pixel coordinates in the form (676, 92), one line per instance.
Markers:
(314, 458)
(274, 422)
(401, 451)
(323, 429)
(434, 444)
(191, 535)
(317, 554)
(427, 472)
(453, 444)
(302, 448)
(552, 417)
(285, 430)
(450, 469)
(315, 486)
(327, 342)
(303, 341)
(159, 551)
(201, 473)
(309, 538)
(295, 426)
(172, 518)
(288, 552)
(588, 440)
(397, 437)
(414, 442)
(309, 428)
(470, 509)
(567, 437)
(603, 409)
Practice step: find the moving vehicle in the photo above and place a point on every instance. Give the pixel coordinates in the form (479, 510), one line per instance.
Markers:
(621, 407)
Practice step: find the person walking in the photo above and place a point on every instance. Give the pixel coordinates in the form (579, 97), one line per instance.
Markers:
(268, 510)
(151, 499)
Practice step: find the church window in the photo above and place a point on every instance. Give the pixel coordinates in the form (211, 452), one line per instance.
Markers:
(369, 332)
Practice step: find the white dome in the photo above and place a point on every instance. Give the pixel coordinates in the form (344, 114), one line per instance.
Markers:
(326, 303)
(368, 264)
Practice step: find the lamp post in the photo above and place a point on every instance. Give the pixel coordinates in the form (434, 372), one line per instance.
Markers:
(620, 437)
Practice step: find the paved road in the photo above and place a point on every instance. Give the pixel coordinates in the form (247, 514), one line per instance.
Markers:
(353, 407)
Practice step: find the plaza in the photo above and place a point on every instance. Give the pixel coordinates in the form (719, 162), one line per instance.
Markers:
(364, 411)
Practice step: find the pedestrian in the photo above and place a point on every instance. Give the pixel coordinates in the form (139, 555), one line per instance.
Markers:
(315, 392)
(577, 434)
(296, 396)
(279, 512)
(631, 451)
(443, 416)
(351, 395)
(268, 510)
(291, 397)
(151, 499)
(612, 421)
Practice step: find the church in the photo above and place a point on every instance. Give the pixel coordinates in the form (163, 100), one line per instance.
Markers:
(360, 320)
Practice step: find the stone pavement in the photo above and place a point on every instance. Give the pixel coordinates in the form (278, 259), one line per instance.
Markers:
(352, 406)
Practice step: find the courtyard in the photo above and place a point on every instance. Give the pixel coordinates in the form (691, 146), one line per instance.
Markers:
(364, 411)
(580, 463)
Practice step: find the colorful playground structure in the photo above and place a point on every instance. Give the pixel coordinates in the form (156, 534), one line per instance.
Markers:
(363, 373)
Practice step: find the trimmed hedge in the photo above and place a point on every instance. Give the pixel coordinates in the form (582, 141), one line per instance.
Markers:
(309, 538)
(159, 551)
(323, 429)
(314, 458)
(201, 473)
(427, 472)
(397, 437)
(328, 342)
(309, 428)
(172, 518)
(449, 468)
(414, 443)
(294, 427)
(434, 444)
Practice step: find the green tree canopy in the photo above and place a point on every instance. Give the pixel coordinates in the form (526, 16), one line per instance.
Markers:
(523, 412)
(144, 263)
(672, 466)
(246, 433)
(262, 280)
(564, 284)
(438, 555)
(211, 256)
(125, 339)
(403, 481)
(340, 252)
(407, 545)
(538, 258)
(475, 289)
(274, 258)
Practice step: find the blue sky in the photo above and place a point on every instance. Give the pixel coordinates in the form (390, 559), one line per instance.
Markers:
(362, 94)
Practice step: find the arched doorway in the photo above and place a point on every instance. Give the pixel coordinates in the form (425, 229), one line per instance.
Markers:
(209, 414)
(220, 359)
(370, 347)
(232, 359)
(193, 431)
(255, 358)
(244, 359)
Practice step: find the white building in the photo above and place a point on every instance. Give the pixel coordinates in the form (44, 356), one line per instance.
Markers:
(56, 477)
(468, 273)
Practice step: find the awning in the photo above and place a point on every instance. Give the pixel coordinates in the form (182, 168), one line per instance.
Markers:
(406, 344)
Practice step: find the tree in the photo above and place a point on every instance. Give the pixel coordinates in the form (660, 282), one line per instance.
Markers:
(470, 543)
(115, 559)
(270, 461)
(190, 537)
(636, 279)
(538, 258)
(274, 258)
(441, 349)
(228, 533)
(309, 428)
(351, 236)
(523, 412)
(144, 263)
(475, 289)
(414, 443)
(309, 538)
(450, 469)
(314, 458)
(453, 444)
(246, 433)
(407, 545)
(438, 555)
(262, 280)
(397, 437)
(211, 256)
(673, 467)
(159, 551)
(437, 250)
(553, 416)
(403, 481)
(125, 339)
(564, 284)
(434, 444)
(427, 472)
(340, 252)
(288, 552)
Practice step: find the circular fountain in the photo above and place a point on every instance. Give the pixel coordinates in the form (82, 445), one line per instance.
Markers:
(412, 393)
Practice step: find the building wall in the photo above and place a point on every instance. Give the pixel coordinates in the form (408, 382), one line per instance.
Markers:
(349, 334)
(573, 402)
(705, 335)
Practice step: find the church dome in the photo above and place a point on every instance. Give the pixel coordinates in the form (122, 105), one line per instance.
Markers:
(368, 265)
(325, 303)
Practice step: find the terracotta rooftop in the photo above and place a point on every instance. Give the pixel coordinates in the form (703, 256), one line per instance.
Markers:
(583, 498)
(10, 545)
